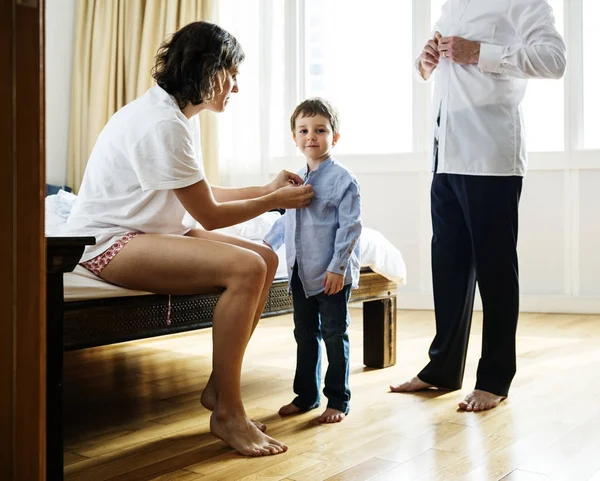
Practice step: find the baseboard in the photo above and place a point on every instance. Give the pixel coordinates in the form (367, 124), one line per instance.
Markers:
(529, 303)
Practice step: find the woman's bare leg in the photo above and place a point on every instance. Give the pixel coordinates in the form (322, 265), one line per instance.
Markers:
(267, 254)
(209, 394)
(185, 265)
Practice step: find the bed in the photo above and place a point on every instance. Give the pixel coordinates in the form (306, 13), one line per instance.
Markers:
(98, 313)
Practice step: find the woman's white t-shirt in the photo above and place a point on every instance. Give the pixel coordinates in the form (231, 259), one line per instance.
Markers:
(147, 149)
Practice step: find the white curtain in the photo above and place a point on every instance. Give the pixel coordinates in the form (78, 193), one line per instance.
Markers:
(254, 127)
(115, 45)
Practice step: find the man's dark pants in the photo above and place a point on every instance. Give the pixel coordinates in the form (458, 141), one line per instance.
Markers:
(475, 224)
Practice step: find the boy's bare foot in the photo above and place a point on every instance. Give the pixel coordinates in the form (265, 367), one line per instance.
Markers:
(480, 401)
(242, 435)
(209, 400)
(331, 416)
(288, 409)
(415, 384)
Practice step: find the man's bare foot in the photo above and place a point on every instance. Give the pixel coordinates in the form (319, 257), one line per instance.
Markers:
(415, 384)
(209, 400)
(480, 401)
(331, 416)
(289, 409)
(242, 435)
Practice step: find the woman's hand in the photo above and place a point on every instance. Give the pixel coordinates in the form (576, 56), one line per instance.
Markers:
(293, 196)
(333, 283)
(283, 179)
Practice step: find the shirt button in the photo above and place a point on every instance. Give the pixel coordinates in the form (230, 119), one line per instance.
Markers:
(341, 268)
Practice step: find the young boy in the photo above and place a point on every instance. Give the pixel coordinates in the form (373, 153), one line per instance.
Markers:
(322, 251)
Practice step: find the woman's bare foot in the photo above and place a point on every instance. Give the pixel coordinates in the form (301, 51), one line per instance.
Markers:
(331, 416)
(209, 400)
(480, 401)
(242, 435)
(415, 384)
(289, 409)
(209, 396)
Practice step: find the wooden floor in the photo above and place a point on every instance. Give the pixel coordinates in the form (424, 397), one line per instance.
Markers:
(133, 411)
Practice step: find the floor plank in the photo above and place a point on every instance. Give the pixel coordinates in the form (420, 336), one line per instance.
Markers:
(148, 424)
(521, 475)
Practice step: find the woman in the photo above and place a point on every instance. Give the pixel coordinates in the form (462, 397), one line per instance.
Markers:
(145, 173)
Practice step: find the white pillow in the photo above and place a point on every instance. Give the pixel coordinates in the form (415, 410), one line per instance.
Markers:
(254, 229)
(52, 218)
(381, 256)
(57, 210)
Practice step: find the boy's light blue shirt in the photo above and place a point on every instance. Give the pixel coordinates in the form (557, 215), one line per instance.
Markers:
(325, 235)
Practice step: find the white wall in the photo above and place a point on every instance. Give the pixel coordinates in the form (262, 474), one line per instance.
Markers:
(559, 234)
(60, 21)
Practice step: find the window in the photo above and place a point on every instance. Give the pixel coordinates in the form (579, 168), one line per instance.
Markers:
(359, 56)
(591, 74)
(249, 133)
(544, 105)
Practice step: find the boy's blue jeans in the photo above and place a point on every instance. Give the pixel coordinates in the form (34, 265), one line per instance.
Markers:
(317, 318)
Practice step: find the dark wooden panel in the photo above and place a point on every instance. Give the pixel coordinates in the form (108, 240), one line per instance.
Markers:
(29, 187)
(379, 332)
(6, 252)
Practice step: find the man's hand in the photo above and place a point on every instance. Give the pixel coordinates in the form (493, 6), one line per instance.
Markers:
(283, 179)
(294, 196)
(430, 56)
(459, 50)
(333, 283)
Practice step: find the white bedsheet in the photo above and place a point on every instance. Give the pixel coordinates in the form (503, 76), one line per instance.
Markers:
(376, 252)
(81, 285)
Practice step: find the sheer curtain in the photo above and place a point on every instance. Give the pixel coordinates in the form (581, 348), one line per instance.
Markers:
(253, 130)
(296, 49)
(115, 44)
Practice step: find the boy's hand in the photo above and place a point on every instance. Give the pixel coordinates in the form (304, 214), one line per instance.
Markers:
(333, 283)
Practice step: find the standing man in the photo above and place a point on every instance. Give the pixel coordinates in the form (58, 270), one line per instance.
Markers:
(482, 54)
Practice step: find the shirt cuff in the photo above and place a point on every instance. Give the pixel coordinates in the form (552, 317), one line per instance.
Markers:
(338, 266)
(490, 58)
(274, 240)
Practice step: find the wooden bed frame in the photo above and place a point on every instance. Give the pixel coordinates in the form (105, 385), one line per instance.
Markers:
(106, 321)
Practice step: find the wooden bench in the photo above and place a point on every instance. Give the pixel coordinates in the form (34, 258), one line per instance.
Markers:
(106, 321)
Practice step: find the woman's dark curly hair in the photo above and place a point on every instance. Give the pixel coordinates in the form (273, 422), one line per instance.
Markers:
(192, 64)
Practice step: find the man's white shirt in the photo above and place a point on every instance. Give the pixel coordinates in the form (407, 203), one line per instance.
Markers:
(481, 126)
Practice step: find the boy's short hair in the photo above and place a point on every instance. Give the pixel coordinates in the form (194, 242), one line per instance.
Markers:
(317, 106)
(192, 64)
